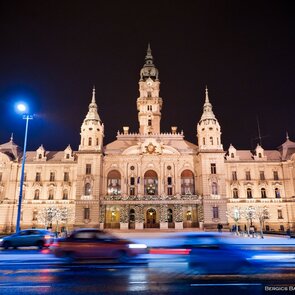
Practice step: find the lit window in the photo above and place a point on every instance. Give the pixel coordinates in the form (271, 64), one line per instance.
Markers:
(277, 193)
(214, 188)
(87, 189)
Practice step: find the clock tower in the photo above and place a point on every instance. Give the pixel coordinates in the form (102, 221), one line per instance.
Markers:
(149, 104)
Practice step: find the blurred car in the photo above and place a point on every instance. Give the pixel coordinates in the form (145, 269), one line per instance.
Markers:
(96, 244)
(29, 237)
(209, 253)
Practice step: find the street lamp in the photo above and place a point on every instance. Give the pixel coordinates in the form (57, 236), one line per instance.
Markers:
(22, 108)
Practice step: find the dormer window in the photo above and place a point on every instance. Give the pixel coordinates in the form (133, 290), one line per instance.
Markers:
(259, 155)
(40, 156)
(232, 155)
(67, 156)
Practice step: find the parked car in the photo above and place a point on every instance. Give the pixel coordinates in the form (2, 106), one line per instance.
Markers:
(96, 244)
(29, 237)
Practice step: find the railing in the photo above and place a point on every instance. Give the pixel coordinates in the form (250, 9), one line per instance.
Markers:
(150, 198)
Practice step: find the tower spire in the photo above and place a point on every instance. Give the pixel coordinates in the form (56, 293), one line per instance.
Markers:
(287, 135)
(11, 137)
(207, 108)
(207, 96)
(93, 94)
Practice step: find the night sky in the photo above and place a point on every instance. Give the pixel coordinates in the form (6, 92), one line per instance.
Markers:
(53, 52)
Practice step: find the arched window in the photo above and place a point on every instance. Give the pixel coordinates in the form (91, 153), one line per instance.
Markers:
(235, 193)
(65, 195)
(114, 183)
(187, 183)
(37, 194)
(96, 141)
(50, 194)
(87, 189)
(249, 193)
(151, 183)
(277, 193)
(188, 216)
(204, 141)
(263, 193)
(170, 215)
(90, 141)
(214, 188)
(211, 140)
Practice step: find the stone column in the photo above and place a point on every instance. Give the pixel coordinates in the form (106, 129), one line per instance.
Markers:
(163, 216)
(102, 211)
(124, 217)
(178, 216)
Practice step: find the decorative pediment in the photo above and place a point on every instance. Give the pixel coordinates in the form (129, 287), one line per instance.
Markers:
(259, 153)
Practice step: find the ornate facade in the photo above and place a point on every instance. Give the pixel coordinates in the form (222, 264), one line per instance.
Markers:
(149, 179)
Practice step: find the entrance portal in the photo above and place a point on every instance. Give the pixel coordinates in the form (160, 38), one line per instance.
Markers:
(151, 218)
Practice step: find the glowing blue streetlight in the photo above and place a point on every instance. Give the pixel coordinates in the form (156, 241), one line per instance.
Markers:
(22, 108)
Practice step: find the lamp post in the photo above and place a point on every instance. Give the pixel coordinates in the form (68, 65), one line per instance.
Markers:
(22, 108)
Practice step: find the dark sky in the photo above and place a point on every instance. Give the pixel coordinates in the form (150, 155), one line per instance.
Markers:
(52, 52)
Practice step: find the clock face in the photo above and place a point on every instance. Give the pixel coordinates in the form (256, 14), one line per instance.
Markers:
(151, 148)
(149, 82)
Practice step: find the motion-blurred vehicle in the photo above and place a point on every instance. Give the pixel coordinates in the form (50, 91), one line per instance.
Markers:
(29, 237)
(96, 244)
(209, 253)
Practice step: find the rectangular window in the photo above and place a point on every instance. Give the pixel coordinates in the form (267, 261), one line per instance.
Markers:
(52, 176)
(275, 175)
(248, 175)
(169, 191)
(215, 212)
(132, 181)
(169, 180)
(88, 169)
(213, 168)
(234, 175)
(86, 213)
(25, 176)
(149, 122)
(280, 214)
(262, 176)
(132, 191)
(0, 176)
(38, 176)
(66, 176)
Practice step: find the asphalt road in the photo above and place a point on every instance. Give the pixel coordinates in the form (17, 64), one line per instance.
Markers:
(38, 272)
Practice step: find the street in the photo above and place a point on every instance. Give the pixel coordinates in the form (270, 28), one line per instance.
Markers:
(32, 271)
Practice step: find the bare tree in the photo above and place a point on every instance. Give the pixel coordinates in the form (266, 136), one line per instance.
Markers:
(262, 213)
(236, 214)
(249, 214)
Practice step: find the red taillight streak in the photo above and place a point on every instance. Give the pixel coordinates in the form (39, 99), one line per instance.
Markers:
(170, 251)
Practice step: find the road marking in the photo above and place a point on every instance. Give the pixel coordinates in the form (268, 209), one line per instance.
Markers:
(229, 284)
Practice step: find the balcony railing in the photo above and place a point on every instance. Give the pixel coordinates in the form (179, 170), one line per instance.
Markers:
(150, 198)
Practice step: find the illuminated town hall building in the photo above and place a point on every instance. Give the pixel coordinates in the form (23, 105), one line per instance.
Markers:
(149, 179)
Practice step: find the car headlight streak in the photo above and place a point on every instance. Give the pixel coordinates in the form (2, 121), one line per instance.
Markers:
(137, 246)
